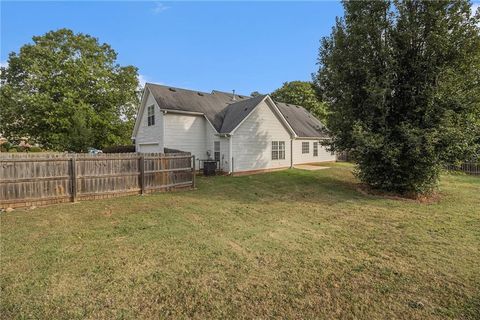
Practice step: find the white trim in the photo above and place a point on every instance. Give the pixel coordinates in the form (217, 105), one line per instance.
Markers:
(291, 153)
(193, 113)
(153, 142)
(282, 117)
(311, 138)
(164, 132)
(247, 116)
(230, 161)
(211, 125)
(272, 104)
(139, 117)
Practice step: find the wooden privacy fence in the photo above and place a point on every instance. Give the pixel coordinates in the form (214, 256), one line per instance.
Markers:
(40, 179)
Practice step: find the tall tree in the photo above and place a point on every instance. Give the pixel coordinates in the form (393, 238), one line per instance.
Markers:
(67, 92)
(403, 95)
(304, 94)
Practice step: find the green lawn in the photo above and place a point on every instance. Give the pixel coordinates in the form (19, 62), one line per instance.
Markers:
(290, 244)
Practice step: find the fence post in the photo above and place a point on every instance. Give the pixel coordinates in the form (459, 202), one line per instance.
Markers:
(142, 174)
(73, 164)
(193, 172)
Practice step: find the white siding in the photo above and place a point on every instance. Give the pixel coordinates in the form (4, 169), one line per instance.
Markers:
(225, 154)
(150, 138)
(148, 148)
(211, 137)
(252, 141)
(298, 157)
(186, 133)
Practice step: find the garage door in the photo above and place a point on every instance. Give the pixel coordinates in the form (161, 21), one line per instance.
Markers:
(147, 148)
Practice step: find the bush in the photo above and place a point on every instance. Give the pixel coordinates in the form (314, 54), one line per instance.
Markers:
(6, 146)
(35, 149)
(21, 149)
(12, 150)
(119, 149)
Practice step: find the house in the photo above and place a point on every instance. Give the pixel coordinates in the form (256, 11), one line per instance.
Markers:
(243, 133)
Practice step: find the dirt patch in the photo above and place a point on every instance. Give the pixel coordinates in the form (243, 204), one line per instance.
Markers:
(310, 167)
(430, 198)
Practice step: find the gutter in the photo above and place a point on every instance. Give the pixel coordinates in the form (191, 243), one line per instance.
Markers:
(311, 138)
(224, 135)
(182, 112)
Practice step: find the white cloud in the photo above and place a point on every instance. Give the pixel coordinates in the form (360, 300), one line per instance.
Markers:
(475, 6)
(159, 7)
(142, 79)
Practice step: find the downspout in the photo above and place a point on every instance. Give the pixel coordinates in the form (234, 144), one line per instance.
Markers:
(163, 129)
(230, 163)
(291, 153)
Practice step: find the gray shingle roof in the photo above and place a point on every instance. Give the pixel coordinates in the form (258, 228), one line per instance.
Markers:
(230, 95)
(302, 122)
(236, 112)
(226, 114)
(194, 101)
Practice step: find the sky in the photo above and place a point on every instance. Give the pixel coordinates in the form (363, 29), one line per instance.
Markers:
(246, 46)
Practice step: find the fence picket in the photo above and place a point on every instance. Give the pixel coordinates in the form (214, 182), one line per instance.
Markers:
(38, 179)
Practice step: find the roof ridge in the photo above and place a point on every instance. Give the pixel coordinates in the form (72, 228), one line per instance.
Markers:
(177, 88)
(242, 96)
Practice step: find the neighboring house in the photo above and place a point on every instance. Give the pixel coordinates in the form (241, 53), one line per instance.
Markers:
(244, 133)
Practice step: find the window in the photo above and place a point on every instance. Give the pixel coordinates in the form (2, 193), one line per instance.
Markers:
(216, 150)
(278, 150)
(305, 147)
(315, 149)
(151, 115)
(281, 150)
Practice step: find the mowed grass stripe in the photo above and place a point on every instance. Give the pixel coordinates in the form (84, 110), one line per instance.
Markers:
(289, 244)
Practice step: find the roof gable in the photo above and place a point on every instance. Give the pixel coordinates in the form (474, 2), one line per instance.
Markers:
(226, 114)
(238, 111)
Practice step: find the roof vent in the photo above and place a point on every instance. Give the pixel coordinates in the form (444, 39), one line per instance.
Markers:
(171, 89)
(200, 94)
(246, 109)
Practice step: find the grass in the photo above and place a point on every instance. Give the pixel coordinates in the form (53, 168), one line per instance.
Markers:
(290, 244)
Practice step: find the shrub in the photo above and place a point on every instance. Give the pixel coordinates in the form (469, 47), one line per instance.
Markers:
(12, 150)
(119, 149)
(6, 146)
(35, 149)
(404, 103)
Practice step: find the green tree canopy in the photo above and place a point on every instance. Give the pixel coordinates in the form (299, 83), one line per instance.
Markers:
(301, 93)
(402, 83)
(67, 92)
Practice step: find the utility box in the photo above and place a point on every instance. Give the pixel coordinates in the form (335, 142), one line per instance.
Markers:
(209, 168)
